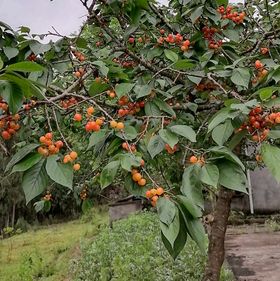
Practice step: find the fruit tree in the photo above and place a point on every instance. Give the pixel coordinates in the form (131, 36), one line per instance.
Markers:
(166, 100)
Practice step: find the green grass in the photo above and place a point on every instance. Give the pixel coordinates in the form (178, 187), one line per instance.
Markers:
(44, 254)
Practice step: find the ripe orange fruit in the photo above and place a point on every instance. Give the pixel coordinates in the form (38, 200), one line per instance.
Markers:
(78, 117)
(149, 194)
(113, 124)
(77, 74)
(40, 150)
(120, 125)
(90, 110)
(67, 159)
(258, 64)
(49, 136)
(59, 144)
(42, 139)
(112, 95)
(277, 119)
(52, 149)
(258, 158)
(142, 182)
(137, 177)
(155, 198)
(193, 159)
(99, 121)
(77, 167)
(160, 191)
(153, 191)
(142, 162)
(73, 155)
(184, 48)
(6, 135)
(125, 145)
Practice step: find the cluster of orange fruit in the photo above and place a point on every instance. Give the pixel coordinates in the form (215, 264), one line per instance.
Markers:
(10, 126)
(111, 94)
(259, 123)
(209, 34)
(79, 73)
(261, 71)
(197, 160)
(137, 177)
(79, 56)
(68, 102)
(228, 13)
(125, 62)
(131, 108)
(48, 146)
(154, 194)
(174, 39)
(264, 50)
(84, 194)
(47, 197)
(70, 158)
(128, 147)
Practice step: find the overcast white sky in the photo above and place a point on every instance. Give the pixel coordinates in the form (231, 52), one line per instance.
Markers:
(40, 15)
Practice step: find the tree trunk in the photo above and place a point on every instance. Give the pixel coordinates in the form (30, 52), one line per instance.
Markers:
(13, 214)
(216, 250)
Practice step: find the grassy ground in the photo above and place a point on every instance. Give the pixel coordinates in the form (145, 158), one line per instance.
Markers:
(44, 254)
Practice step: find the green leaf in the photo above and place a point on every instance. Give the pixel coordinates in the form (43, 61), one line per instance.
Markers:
(274, 134)
(236, 139)
(179, 242)
(144, 91)
(87, 205)
(271, 158)
(219, 118)
(34, 181)
(155, 145)
(58, 172)
(232, 34)
(222, 2)
(25, 66)
(190, 206)
(152, 109)
(171, 55)
(81, 43)
(222, 132)
(184, 131)
(39, 205)
(232, 176)
(210, 174)
(130, 133)
(184, 64)
(163, 106)
(13, 94)
(221, 150)
(102, 66)
(27, 162)
(97, 137)
(171, 231)
(191, 185)
(168, 137)
(128, 161)
(166, 210)
(21, 154)
(123, 89)
(10, 52)
(1, 63)
(109, 173)
(39, 48)
(196, 13)
(266, 93)
(97, 88)
(241, 76)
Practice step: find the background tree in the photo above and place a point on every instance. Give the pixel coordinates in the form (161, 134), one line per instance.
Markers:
(169, 99)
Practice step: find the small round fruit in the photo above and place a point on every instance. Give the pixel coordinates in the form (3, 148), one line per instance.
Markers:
(125, 146)
(6, 135)
(99, 121)
(113, 124)
(77, 167)
(59, 144)
(131, 40)
(120, 126)
(142, 182)
(90, 110)
(160, 191)
(155, 198)
(42, 139)
(142, 162)
(193, 159)
(258, 64)
(49, 136)
(149, 194)
(73, 155)
(134, 171)
(67, 159)
(78, 117)
(153, 191)
(137, 177)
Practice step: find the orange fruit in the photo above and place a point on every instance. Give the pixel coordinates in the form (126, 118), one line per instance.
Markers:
(113, 124)
(77, 167)
(120, 125)
(42, 139)
(149, 194)
(193, 159)
(67, 159)
(48, 136)
(134, 171)
(137, 177)
(160, 191)
(78, 117)
(73, 155)
(155, 198)
(59, 144)
(142, 182)
(90, 110)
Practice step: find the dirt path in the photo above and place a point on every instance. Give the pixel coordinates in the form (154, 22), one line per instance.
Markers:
(254, 256)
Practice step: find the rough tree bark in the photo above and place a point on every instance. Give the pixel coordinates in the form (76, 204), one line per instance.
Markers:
(216, 250)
